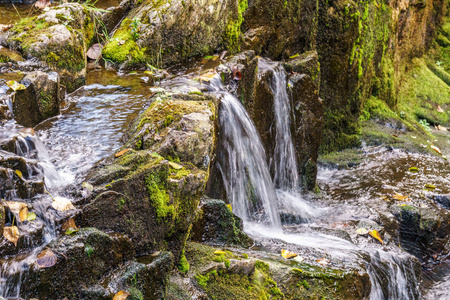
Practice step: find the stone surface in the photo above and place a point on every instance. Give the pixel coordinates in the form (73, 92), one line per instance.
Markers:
(82, 259)
(172, 31)
(151, 192)
(217, 225)
(40, 100)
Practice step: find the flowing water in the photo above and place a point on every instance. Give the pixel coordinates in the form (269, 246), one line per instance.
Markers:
(94, 118)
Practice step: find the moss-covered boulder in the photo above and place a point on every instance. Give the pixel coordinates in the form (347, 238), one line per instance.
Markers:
(40, 100)
(217, 225)
(59, 38)
(82, 259)
(165, 32)
(151, 190)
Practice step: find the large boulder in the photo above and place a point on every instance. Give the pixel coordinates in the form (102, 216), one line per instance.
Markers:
(151, 191)
(39, 100)
(59, 38)
(82, 259)
(166, 32)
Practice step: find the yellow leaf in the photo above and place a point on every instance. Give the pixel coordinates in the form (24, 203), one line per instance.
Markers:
(62, 204)
(175, 166)
(400, 197)
(11, 234)
(376, 235)
(118, 154)
(18, 173)
(429, 186)
(46, 259)
(230, 207)
(15, 86)
(31, 216)
(288, 254)
(121, 295)
(362, 231)
(220, 252)
(18, 208)
(413, 169)
(436, 149)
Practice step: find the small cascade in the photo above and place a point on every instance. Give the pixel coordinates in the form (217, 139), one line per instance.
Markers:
(286, 177)
(244, 166)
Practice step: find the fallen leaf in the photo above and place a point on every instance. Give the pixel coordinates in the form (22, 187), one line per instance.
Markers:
(175, 166)
(4, 27)
(15, 86)
(119, 154)
(439, 109)
(46, 259)
(362, 231)
(400, 197)
(18, 173)
(68, 224)
(220, 252)
(402, 204)
(207, 76)
(230, 207)
(376, 235)
(323, 261)
(18, 208)
(95, 51)
(121, 42)
(436, 149)
(288, 254)
(62, 204)
(31, 216)
(236, 74)
(70, 230)
(88, 186)
(414, 169)
(442, 128)
(11, 234)
(413, 137)
(298, 259)
(429, 186)
(121, 295)
(41, 4)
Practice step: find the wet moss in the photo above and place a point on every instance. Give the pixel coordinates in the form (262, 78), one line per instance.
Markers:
(233, 29)
(183, 264)
(123, 46)
(156, 184)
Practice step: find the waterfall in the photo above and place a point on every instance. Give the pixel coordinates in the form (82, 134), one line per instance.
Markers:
(286, 177)
(244, 166)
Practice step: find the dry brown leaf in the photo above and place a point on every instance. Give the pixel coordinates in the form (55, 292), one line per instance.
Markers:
(376, 235)
(442, 128)
(439, 109)
(46, 259)
(18, 208)
(400, 197)
(323, 261)
(94, 52)
(436, 149)
(121, 295)
(62, 204)
(11, 234)
(120, 153)
(288, 254)
(68, 224)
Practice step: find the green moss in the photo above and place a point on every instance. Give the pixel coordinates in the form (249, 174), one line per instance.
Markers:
(183, 264)
(123, 46)
(233, 29)
(120, 203)
(156, 184)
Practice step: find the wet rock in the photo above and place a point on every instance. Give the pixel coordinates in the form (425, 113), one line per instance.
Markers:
(82, 259)
(167, 32)
(31, 235)
(308, 126)
(40, 100)
(443, 200)
(115, 14)
(145, 281)
(217, 225)
(306, 63)
(2, 219)
(59, 38)
(423, 231)
(152, 191)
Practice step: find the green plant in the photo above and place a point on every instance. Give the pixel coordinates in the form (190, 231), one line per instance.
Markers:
(424, 123)
(135, 28)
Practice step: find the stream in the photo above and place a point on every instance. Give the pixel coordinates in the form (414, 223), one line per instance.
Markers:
(95, 117)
